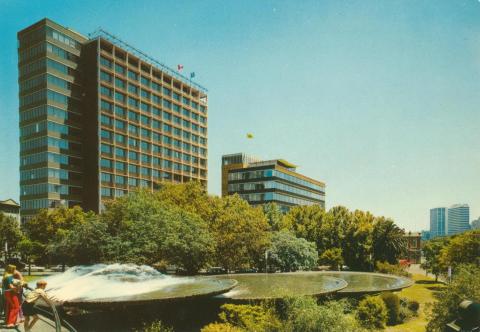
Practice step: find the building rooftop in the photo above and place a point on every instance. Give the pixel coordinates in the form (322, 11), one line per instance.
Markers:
(101, 33)
(10, 202)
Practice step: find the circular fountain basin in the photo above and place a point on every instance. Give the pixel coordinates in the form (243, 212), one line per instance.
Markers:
(107, 286)
(256, 286)
(367, 282)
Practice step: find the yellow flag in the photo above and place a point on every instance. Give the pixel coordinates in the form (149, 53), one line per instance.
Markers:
(249, 135)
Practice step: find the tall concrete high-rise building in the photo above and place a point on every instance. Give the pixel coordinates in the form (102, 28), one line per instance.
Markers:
(458, 219)
(438, 222)
(269, 181)
(99, 118)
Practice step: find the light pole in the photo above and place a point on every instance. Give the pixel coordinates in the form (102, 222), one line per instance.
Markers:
(266, 261)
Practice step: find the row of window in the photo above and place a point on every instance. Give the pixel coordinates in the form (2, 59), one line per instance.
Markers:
(132, 155)
(54, 127)
(33, 204)
(146, 146)
(52, 157)
(265, 197)
(265, 185)
(44, 94)
(246, 175)
(45, 188)
(147, 171)
(62, 38)
(144, 81)
(47, 110)
(45, 141)
(40, 173)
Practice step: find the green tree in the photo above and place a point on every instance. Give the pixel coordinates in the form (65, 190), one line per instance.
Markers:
(240, 232)
(431, 250)
(304, 221)
(332, 257)
(86, 243)
(389, 243)
(30, 251)
(372, 312)
(357, 240)
(274, 216)
(9, 233)
(464, 286)
(188, 242)
(289, 253)
(461, 249)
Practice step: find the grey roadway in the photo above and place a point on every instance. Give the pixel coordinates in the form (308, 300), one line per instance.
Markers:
(42, 325)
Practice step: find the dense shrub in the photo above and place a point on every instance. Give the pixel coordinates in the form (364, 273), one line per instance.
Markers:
(464, 285)
(392, 302)
(396, 269)
(220, 327)
(372, 312)
(405, 314)
(303, 314)
(157, 326)
(250, 317)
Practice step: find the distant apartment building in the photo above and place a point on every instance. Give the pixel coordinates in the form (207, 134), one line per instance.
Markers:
(438, 222)
(458, 219)
(10, 208)
(270, 181)
(98, 118)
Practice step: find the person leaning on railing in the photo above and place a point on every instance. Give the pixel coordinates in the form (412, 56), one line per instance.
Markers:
(28, 305)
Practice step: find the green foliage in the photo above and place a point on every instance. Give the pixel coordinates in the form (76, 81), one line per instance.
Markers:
(221, 327)
(303, 314)
(240, 232)
(389, 243)
(431, 250)
(156, 326)
(396, 269)
(464, 286)
(304, 221)
(372, 312)
(392, 302)
(461, 249)
(250, 317)
(333, 258)
(289, 253)
(357, 240)
(85, 243)
(274, 216)
(9, 232)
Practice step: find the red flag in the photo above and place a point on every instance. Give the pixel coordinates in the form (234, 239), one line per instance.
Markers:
(179, 67)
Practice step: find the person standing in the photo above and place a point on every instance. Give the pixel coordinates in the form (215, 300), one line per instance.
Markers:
(18, 276)
(10, 289)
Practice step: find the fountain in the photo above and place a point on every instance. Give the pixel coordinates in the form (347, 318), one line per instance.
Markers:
(103, 285)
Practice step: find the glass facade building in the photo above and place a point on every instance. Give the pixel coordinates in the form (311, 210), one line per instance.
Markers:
(438, 222)
(458, 219)
(260, 182)
(99, 118)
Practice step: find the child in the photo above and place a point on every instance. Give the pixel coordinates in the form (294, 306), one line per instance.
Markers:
(28, 305)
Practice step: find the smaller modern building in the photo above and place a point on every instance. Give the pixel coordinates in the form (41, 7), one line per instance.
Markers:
(438, 222)
(414, 247)
(10, 208)
(265, 181)
(458, 219)
(425, 235)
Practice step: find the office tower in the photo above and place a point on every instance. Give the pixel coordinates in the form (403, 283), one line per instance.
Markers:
(438, 222)
(99, 118)
(260, 182)
(458, 219)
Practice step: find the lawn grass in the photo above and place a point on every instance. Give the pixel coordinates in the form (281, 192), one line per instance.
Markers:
(423, 291)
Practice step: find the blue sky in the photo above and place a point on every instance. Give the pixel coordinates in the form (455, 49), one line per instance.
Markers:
(379, 99)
